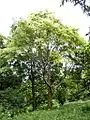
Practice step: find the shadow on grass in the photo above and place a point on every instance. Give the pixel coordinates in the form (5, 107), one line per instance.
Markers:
(86, 108)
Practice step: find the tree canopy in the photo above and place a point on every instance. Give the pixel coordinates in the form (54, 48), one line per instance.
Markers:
(43, 60)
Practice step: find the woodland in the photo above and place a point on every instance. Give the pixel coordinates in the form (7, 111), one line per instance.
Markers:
(44, 70)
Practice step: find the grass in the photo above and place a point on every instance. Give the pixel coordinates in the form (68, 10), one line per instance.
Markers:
(70, 111)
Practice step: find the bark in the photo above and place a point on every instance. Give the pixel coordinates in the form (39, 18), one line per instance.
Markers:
(49, 91)
(49, 87)
(49, 98)
(33, 86)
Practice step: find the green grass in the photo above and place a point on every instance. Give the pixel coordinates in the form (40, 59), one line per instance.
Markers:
(70, 111)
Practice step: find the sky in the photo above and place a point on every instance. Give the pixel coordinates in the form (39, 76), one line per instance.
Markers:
(68, 14)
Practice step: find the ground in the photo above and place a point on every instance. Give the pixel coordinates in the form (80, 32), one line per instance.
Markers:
(70, 111)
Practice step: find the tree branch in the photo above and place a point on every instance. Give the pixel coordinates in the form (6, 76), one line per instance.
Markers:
(44, 78)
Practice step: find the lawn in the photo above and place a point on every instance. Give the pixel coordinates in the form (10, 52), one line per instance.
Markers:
(70, 111)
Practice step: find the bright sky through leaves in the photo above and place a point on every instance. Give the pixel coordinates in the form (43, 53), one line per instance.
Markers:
(12, 9)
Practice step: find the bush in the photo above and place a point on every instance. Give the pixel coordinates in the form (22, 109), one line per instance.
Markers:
(61, 95)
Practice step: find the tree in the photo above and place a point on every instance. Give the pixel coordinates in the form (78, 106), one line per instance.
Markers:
(83, 3)
(86, 67)
(2, 38)
(38, 46)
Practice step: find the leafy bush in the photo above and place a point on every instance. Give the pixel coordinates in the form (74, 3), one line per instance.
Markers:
(61, 95)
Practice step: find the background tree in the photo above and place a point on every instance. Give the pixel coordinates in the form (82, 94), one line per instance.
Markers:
(84, 4)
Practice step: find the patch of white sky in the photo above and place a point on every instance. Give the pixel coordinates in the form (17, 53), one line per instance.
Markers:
(68, 14)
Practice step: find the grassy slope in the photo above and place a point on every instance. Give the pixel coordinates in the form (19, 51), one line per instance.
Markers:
(71, 111)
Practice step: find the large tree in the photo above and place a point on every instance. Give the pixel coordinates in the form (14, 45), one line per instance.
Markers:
(37, 46)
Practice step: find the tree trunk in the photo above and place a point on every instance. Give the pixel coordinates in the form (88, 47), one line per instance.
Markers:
(49, 91)
(33, 94)
(33, 86)
(49, 98)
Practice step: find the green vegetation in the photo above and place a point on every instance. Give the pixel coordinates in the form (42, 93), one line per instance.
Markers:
(72, 111)
(43, 65)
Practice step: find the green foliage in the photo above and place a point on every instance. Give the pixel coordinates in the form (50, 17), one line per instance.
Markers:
(2, 41)
(11, 99)
(42, 61)
(61, 95)
(72, 111)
